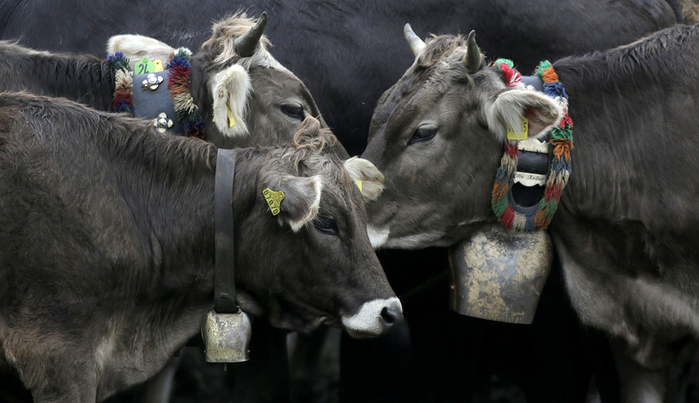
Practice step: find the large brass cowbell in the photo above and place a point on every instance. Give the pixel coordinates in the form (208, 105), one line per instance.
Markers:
(227, 337)
(499, 274)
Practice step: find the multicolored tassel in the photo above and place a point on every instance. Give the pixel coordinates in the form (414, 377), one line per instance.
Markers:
(559, 170)
(123, 84)
(178, 84)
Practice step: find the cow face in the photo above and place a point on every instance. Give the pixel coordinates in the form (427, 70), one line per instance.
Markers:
(312, 262)
(437, 137)
(245, 84)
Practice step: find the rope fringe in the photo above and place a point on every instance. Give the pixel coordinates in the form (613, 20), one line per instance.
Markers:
(560, 168)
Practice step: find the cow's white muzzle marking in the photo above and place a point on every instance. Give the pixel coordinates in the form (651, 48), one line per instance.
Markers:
(369, 321)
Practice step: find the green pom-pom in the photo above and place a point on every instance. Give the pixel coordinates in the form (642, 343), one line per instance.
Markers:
(508, 62)
(541, 67)
(121, 63)
(562, 134)
(183, 53)
(499, 206)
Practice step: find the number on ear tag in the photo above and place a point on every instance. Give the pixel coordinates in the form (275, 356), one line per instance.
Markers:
(521, 134)
(274, 199)
(144, 66)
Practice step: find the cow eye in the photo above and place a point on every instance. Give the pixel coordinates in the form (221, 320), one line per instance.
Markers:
(293, 111)
(326, 224)
(423, 133)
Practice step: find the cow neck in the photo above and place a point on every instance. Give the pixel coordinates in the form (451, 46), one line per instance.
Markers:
(178, 72)
(224, 274)
(540, 215)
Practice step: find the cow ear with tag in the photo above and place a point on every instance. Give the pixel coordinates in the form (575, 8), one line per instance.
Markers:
(294, 199)
(368, 178)
(542, 112)
(230, 89)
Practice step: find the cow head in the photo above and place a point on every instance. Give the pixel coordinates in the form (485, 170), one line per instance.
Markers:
(246, 97)
(437, 135)
(312, 262)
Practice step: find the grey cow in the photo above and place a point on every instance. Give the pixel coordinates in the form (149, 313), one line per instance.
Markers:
(625, 229)
(232, 71)
(106, 263)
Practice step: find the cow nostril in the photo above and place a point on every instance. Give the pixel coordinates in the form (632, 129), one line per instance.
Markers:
(390, 316)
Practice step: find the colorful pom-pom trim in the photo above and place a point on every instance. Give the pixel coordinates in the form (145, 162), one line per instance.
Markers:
(123, 82)
(559, 171)
(178, 84)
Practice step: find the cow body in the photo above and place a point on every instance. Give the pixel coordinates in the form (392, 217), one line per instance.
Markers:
(351, 40)
(107, 263)
(624, 226)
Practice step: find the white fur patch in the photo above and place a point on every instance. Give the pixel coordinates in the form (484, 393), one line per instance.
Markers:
(135, 47)
(377, 236)
(372, 179)
(105, 349)
(230, 89)
(510, 106)
(368, 321)
(313, 208)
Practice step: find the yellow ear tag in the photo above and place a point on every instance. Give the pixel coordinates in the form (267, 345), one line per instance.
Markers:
(157, 65)
(274, 199)
(359, 184)
(522, 134)
(231, 120)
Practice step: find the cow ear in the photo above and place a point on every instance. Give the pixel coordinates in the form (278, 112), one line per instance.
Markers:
(367, 177)
(135, 47)
(301, 199)
(542, 112)
(230, 89)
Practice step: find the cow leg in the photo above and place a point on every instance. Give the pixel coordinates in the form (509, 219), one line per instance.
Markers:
(638, 384)
(159, 387)
(52, 370)
(61, 385)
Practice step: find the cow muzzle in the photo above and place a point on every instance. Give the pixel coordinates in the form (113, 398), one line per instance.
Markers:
(499, 274)
(374, 318)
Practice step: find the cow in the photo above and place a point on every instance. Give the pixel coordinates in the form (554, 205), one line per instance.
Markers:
(340, 49)
(624, 227)
(108, 244)
(268, 101)
(355, 38)
(232, 71)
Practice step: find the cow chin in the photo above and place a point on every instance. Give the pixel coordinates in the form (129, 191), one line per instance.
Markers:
(371, 320)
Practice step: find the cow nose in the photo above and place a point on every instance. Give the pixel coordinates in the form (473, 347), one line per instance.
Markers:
(390, 316)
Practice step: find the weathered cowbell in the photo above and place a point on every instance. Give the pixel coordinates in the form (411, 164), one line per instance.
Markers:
(227, 337)
(499, 274)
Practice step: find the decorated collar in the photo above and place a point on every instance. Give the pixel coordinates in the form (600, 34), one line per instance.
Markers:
(539, 216)
(178, 71)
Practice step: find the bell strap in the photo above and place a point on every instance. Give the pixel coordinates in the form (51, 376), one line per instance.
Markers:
(224, 274)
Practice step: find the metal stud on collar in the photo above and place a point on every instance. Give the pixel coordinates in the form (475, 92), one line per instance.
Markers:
(162, 123)
(152, 82)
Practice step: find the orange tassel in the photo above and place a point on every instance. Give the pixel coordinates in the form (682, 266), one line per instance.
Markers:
(549, 75)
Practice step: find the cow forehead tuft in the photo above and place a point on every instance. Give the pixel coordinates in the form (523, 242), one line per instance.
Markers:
(226, 30)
